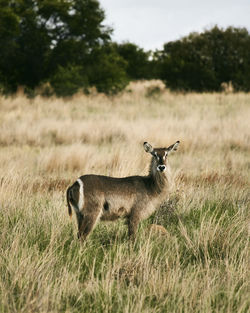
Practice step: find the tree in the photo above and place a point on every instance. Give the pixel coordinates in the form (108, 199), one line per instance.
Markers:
(107, 70)
(41, 37)
(9, 30)
(138, 64)
(202, 62)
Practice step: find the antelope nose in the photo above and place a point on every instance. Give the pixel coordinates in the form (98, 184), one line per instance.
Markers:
(161, 168)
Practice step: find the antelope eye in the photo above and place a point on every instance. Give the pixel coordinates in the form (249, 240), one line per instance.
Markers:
(156, 156)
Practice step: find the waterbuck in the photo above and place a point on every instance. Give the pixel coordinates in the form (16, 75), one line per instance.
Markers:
(95, 197)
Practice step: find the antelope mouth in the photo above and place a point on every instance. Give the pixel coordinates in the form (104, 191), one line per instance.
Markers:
(161, 168)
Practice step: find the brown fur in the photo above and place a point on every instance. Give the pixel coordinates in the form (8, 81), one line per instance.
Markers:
(157, 230)
(108, 198)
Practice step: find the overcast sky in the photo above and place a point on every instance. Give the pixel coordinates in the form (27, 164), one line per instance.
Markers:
(151, 23)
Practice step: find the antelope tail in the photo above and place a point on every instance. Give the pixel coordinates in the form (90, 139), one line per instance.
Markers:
(69, 199)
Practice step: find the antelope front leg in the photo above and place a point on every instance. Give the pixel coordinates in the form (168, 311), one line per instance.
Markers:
(133, 223)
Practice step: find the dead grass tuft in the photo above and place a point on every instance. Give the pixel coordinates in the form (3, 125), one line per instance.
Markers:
(213, 178)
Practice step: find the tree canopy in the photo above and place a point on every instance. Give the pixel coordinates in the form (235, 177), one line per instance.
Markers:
(138, 63)
(202, 62)
(41, 39)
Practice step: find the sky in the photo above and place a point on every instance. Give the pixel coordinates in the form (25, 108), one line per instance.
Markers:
(151, 23)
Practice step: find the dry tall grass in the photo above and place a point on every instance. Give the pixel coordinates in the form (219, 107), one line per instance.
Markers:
(199, 265)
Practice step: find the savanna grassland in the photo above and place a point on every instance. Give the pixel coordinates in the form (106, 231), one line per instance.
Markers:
(200, 264)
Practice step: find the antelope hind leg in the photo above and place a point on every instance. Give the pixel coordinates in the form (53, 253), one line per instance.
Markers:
(88, 223)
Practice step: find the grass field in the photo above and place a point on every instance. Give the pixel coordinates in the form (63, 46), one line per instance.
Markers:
(200, 265)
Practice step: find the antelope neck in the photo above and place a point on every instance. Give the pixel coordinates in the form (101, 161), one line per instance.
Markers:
(159, 179)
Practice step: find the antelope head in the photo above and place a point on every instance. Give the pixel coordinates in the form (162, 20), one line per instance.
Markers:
(160, 156)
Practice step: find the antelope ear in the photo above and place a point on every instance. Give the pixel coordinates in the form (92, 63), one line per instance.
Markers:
(172, 147)
(148, 148)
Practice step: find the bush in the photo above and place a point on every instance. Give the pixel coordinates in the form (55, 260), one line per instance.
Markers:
(67, 81)
(153, 92)
(107, 71)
